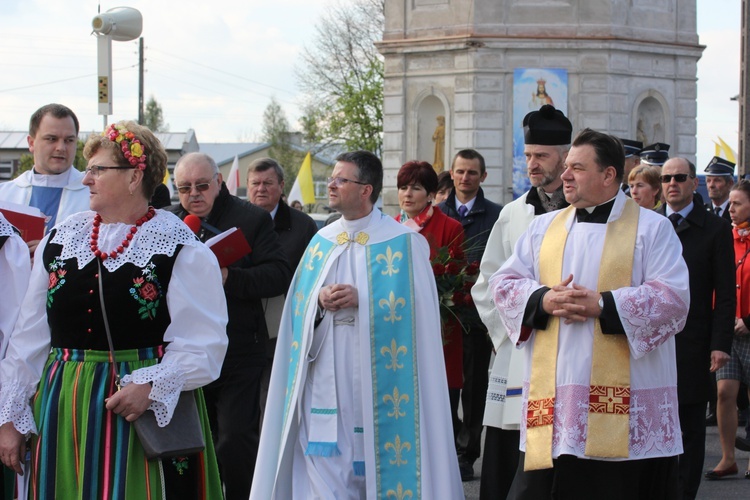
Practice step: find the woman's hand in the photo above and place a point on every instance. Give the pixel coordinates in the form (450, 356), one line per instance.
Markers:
(130, 401)
(12, 447)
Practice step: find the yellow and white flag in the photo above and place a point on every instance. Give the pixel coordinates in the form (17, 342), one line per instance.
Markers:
(167, 181)
(303, 189)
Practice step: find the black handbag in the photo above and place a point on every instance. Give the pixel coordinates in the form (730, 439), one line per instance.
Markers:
(182, 436)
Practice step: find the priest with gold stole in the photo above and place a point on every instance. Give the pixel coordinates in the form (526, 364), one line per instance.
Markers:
(594, 294)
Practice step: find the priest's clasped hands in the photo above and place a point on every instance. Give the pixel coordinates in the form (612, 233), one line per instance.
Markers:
(572, 302)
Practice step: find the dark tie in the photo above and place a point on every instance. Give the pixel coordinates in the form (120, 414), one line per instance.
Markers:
(462, 211)
(717, 210)
(675, 218)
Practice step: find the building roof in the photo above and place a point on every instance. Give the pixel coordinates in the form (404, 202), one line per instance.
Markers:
(224, 152)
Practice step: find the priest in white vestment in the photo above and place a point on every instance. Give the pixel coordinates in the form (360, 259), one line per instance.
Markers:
(547, 134)
(358, 402)
(594, 294)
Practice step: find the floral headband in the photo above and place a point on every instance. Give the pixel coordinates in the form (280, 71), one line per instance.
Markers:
(131, 147)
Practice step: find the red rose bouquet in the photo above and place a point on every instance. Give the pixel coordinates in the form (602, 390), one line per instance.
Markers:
(454, 278)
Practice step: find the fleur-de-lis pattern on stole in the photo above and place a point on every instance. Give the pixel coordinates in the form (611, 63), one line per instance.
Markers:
(394, 368)
(312, 265)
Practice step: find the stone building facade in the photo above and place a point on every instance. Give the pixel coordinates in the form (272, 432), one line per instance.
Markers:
(631, 71)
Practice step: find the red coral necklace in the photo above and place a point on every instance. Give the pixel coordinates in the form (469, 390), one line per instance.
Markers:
(95, 235)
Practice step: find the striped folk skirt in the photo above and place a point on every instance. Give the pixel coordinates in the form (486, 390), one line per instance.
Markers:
(84, 451)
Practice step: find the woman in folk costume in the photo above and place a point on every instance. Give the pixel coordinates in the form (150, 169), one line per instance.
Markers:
(167, 315)
(737, 370)
(417, 185)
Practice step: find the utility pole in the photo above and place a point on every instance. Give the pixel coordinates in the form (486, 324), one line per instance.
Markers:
(140, 80)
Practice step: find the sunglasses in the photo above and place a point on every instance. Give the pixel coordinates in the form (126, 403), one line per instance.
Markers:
(666, 179)
(198, 187)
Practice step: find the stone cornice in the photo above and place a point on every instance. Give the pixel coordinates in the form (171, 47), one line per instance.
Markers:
(605, 42)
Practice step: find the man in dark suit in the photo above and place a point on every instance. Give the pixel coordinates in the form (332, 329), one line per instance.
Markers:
(477, 215)
(265, 185)
(705, 343)
(719, 181)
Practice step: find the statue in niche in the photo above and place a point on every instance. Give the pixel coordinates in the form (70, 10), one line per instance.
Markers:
(650, 128)
(438, 137)
(540, 97)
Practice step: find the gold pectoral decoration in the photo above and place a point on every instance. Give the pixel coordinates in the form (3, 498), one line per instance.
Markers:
(361, 238)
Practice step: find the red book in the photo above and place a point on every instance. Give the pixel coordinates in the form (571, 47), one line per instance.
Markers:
(28, 220)
(229, 246)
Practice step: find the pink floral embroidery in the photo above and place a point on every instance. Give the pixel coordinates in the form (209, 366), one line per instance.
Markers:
(147, 291)
(510, 297)
(56, 279)
(651, 313)
(654, 421)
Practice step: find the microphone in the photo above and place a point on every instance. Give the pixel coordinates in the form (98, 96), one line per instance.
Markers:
(195, 223)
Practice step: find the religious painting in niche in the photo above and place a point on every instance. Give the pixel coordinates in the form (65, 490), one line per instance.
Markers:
(650, 125)
(532, 89)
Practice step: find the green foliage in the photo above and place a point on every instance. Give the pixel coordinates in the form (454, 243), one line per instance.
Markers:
(153, 116)
(275, 130)
(27, 161)
(342, 77)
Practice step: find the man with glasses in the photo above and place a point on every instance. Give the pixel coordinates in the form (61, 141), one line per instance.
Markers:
(52, 185)
(357, 406)
(233, 401)
(705, 343)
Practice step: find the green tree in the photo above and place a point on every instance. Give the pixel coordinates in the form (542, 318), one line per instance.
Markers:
(341, 74)
(275, 130)
(153, 116)
(27, 161)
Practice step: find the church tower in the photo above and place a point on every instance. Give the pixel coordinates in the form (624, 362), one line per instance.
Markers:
(463, 73)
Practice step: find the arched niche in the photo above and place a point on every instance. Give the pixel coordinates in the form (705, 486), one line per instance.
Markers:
(431, 135)
(650, 121)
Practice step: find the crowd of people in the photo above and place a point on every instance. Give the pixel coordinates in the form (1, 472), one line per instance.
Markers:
(603, 317)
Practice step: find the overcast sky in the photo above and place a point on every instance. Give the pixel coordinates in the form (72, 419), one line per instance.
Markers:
(214, 66)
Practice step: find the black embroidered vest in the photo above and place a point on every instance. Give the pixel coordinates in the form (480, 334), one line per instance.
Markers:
(135, 299)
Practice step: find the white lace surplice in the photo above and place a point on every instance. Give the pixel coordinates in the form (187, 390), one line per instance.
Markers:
(652, 311)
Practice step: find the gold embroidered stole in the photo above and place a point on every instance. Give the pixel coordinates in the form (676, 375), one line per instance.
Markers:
(609, 393)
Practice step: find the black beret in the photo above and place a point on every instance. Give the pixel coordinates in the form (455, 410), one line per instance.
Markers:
(548, 127)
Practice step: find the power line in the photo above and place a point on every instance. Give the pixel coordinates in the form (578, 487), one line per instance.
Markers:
(225, 72)
(60, 81)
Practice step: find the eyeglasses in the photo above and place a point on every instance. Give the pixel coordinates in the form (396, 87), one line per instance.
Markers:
(340, 181)
(95, 170)
(198, 187)
(666, 179)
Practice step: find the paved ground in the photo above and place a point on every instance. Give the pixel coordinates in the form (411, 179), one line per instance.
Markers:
(726, 489)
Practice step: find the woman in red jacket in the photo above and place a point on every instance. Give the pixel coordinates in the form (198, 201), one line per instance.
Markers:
(738, 369)
(417, 186)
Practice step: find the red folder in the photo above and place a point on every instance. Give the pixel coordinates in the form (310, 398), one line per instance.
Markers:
(24, 219)
(229, 246)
